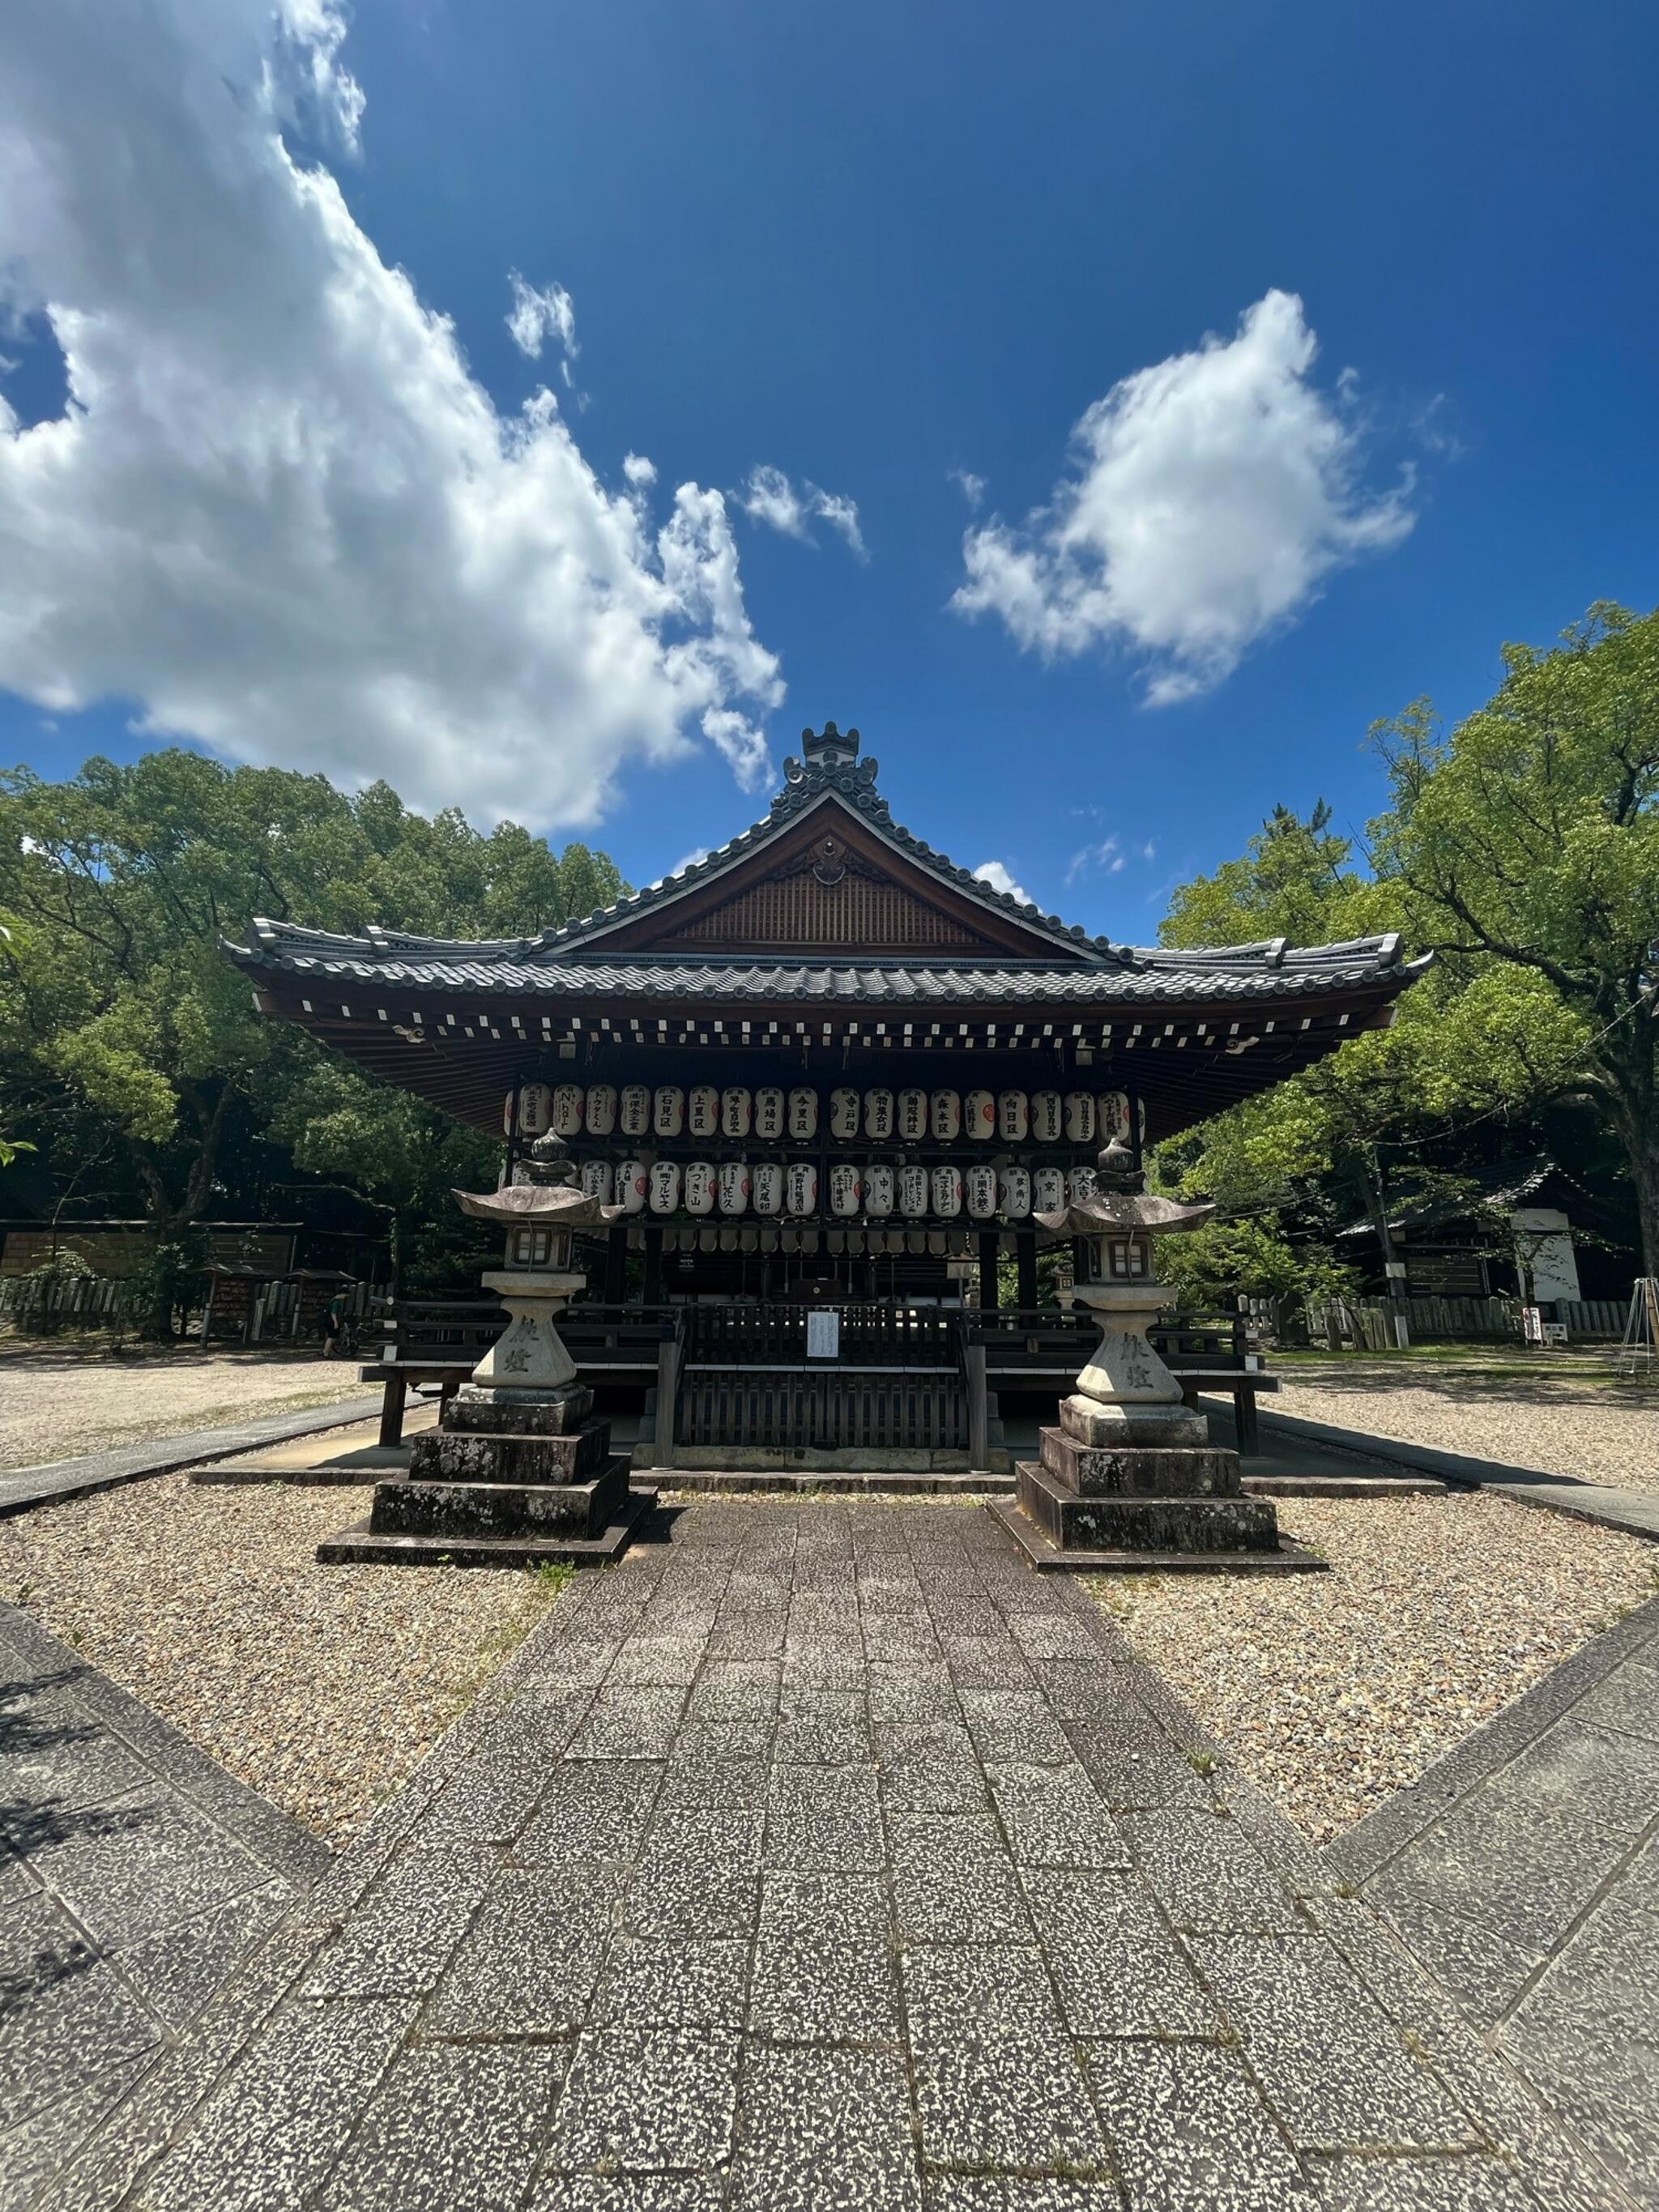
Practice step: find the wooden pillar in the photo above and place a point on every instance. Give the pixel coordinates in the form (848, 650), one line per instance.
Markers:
(1025, 1263)
(989, 1243)
(616, 1263)
(653, 1267)
(392, 1409)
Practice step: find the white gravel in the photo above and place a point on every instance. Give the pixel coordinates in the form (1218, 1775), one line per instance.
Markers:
(59, 1400)
(1332, 1691)
(1568, 1414)
(322, 1688)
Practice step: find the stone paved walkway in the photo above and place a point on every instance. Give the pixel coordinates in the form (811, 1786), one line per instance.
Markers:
(1524, 1871)
(824, 1856)
(134, 1874)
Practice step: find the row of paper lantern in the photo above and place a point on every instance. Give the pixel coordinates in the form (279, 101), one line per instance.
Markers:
(958, 1244)
(880, 1116)
(873, 1190)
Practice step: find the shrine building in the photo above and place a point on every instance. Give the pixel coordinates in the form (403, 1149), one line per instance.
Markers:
(824, 1066)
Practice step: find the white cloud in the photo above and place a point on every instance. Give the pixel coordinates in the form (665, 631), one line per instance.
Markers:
(1149, 850)
(770, 497)
(280, 514)
(1088, 858)
(971, 486)
(535, 317)
(994, 873)
(1210, 497)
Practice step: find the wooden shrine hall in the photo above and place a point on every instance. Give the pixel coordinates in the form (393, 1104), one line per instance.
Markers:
(824, 1070)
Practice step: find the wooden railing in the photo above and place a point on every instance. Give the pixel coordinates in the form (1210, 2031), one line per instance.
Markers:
(1041, 1339)
(912, 1337)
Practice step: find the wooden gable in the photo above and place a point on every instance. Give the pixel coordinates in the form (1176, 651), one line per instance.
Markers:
(827, 886)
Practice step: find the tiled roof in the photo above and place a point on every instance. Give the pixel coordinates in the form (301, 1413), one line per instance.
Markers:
(509, 968)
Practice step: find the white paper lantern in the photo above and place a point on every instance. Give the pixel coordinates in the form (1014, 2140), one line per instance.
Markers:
(980, 1187)
(634, 1109)
(507, 1115)
(1013, 1117)
(1047, 1190)
(845, 1188)
(568, 1102)
(1112, 1116)
(800, 1187)
(979, 1116)
(737, 1111)
(535, 1109)
(596, 1180)
(734, 1186)
(878, 1115)
(1014, 1192)
(664, 1186)
(1080, 1185)
(668, 1111)
(1140, 1119)
(912, 1191)
(702, 1110)
(803, 1115)
(878, 1191)
(1080, 1117)
(633, 1178)
(601, 1110)
(1047, 1117)
(843, 1113)
(946, 1116)
(912, 1116)
(947, 1192)
(768, 1112)
(700, 1188)
(766, 1187)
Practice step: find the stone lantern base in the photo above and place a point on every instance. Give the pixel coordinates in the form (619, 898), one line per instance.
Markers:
(1113, 1492)
(505, 1479)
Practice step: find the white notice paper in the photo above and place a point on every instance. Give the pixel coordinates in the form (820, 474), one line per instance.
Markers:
(822, 1335)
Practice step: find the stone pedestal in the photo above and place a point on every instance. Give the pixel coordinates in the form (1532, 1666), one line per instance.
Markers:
(1129, 1481)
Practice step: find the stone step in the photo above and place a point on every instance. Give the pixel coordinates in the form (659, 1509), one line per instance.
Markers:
(1143, 1524)
(1040, 1552)
(1139, 1471)
(363, 1546)
(454, 1454)
(405, 1506)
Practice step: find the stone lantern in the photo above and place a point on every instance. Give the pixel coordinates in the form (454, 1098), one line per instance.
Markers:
(1129, 1478)
(517, 1471)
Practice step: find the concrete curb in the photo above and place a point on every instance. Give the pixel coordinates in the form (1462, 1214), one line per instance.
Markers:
(21, 1487)
(1634, 1511)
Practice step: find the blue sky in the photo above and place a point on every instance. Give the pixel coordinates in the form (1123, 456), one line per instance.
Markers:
(879, 249)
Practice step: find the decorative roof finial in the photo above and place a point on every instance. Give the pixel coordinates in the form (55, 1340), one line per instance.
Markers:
(830, 756)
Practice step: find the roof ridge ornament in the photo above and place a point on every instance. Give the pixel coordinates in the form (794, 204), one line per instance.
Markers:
(829, 762)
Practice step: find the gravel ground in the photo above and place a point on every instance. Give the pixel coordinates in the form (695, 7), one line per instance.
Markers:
(1573, 1416)
(57, 1401)
(1332, 1691)
(322, 1688)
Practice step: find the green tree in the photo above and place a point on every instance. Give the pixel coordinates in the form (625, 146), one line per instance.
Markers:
(1527, 845)
(121, 1021)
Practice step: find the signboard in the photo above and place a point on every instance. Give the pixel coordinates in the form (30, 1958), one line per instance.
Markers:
(823, 1333)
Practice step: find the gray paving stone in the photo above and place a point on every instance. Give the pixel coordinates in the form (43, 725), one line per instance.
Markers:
(996, 2081)
(902, 1691)
(493, 1793)
(1055, 1817)
(989, 1662)
(590, 1809)
(1332, 2064)
(529, 1962)
(825, 1968)
(953, 1880)
(1189, 2130)
(65, 2015)
(1444, 2184)
(653, 1660)
(630, 1722)
(178, 1970)
(276, 2124)
(814, 1666)
(647, 2100)
(1625, 1701)
(1135, 1766)
(1015, 1724)
(1207, 1874)
(736, 1690)
(824, 2132)
(1118, 1969)
(1482, 1968)
(698, 1777)
(995, 2192)
(143, 1861)
(822, 1727)
(646, 1984)
(698, 1876)
(53, 1754)
(451, 2128)
(1054, 1636)
(824, 1819)
(32, 2153)
(399, 1939)
(935, 1786)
